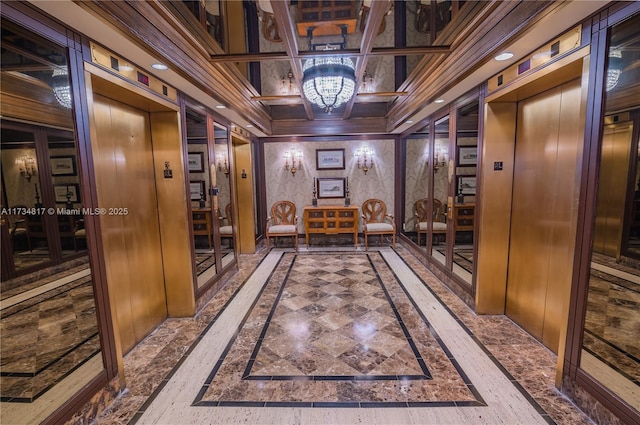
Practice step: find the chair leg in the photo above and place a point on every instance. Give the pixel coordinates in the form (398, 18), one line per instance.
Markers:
(394, 241)
(366, 243)
(267, 241)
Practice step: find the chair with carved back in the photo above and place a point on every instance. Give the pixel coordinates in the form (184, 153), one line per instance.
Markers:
(376, 221)
(283, 221)
(422, 218)
(226, 231)
(18, 225)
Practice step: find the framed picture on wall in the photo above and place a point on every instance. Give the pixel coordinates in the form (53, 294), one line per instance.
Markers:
(330, 159)
(63, 165)
(197, 191)
(60, 192)
(330, 187)
(467, 155)
(196, 162)
(467, 185)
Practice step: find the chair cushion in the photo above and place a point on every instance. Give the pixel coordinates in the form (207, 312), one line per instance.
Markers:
(81, 232)
(423, 225)
(226, 230)
(378, 227)
(19, 231)
(438, 225)
(282, 228)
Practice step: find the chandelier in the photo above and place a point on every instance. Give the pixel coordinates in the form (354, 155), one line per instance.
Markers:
(61, 87)
(328, 81)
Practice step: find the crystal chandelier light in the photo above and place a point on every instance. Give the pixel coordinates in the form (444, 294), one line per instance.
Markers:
(61, 87)
(328, 81)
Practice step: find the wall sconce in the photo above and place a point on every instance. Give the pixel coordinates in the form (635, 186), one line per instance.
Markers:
(293, 160)
(364, 158)
(27, 166)
(287, 86)
(440, 159)
(223, 164)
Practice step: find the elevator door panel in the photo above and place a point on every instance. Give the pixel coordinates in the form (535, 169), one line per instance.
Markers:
(543, 195)
(125, 179)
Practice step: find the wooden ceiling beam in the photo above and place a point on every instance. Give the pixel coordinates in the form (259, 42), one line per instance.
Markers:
(378, 51)
(287, 29)
(376, 14)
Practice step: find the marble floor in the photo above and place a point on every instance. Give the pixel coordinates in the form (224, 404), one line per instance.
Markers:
(338, 335)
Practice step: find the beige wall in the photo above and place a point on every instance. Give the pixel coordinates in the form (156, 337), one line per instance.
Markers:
(377, 183)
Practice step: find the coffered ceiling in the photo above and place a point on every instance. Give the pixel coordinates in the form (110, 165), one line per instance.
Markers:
(403, 61)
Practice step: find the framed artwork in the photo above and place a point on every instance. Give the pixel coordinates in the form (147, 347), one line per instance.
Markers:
(63, 165)
(467, 155)
(197, 190)
(60, 192)
(466, 185)
(329, 159)
(330, 187)
(196, 162)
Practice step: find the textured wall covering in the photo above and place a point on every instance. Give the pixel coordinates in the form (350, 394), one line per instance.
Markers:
(378, 183)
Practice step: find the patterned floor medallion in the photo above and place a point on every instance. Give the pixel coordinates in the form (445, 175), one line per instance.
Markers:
(335, 330)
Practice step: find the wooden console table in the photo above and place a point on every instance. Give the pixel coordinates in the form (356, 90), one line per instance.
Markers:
(331, 220)
(464, 217)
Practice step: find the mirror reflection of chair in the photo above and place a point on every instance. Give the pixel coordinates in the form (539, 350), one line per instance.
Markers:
(226, 231)
(79, 233)
(422, 219)
(376, 221)
(18, 226)
(283, 221)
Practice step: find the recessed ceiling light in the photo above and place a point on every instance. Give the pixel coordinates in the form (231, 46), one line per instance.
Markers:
(125, 68)
(409, 121)
(504, 56)
(220, 106)
(159, 66)
(249, 125)
(438, 101)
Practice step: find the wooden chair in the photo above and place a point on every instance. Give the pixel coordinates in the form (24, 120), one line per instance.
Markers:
(422, 218)
(79, 232)
(19, 225)
(374, 216)
(226, 231)
(283, 221)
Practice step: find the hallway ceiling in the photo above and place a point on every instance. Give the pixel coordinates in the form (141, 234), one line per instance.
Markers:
(401, 83)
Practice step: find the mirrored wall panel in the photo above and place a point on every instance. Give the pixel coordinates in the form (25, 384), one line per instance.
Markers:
(611, 344)
(417, 222)
(200, 183)
(224, 212)
(465, 178)
(49, 342)
(439, 159)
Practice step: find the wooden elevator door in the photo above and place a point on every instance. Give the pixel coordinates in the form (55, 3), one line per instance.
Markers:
(541, 241)
(123, 160)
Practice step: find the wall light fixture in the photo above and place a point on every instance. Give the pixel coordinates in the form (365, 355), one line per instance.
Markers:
(364, 158)
(293, 160)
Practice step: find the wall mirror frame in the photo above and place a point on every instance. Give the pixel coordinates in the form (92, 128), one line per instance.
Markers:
(602, 350)
(209, 164)
(445, 170)
(44, 146)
